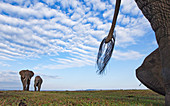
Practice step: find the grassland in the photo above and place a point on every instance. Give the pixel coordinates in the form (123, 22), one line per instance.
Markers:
(82, 98)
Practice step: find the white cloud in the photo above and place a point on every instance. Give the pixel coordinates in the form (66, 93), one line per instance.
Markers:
(95, 20)
(5, 58)
(20, 2)
(79, 50)
(64, 63)
(39, 10)
(3, 45)
(12, 20)
(69, 3)
(129, 55)
(104, 27)
(75, 16)
(10, 52)
(9, 76)
(108, 14)
(129, 6)
(11, 30)
(125, 20)
(132, 29)
(50, 2)
(112, 1)
(37, 29)
(81, 10)
(4, 64)
(97, 4)
(85, 47)
(68, 22)
(45, 77)
(89, 40)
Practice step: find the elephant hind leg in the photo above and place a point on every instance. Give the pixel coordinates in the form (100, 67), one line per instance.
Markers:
(35, 87)
(28, 87)
(24, 88)
(39, 87)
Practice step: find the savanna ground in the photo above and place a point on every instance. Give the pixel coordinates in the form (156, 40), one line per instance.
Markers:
(82, 98)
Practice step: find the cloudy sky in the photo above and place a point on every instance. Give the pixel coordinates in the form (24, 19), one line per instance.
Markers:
(59, 40)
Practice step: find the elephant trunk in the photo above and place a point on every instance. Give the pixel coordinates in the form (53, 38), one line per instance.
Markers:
(26, 83)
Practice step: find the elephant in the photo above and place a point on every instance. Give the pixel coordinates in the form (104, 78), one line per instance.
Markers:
(26, 76)
(37, 82)
(157, 78)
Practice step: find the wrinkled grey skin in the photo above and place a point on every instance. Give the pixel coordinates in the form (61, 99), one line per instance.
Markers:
(158, 14)
(149, 73)
(26, 76)
(37, 83)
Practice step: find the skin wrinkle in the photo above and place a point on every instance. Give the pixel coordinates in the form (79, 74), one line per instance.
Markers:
(143, 5)
(158, 14)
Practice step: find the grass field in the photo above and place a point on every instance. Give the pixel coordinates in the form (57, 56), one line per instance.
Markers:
(82, 98)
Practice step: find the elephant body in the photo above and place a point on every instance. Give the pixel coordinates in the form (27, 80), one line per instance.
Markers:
(26, 76)
(158, 14)
(37, 83)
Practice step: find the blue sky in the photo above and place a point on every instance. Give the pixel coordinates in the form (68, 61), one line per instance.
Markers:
(59, 40)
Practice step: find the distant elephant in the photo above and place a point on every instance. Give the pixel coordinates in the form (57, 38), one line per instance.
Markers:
(37, 82)
(26, 76)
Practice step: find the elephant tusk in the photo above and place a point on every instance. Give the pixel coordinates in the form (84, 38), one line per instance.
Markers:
(110, 35)
(24, 79)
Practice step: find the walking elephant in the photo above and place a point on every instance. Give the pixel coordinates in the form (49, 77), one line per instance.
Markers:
(26, 76)
(37, 83)
(155, 70)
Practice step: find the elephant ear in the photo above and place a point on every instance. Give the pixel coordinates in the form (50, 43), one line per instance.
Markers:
(31, 73)
(22, 73)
